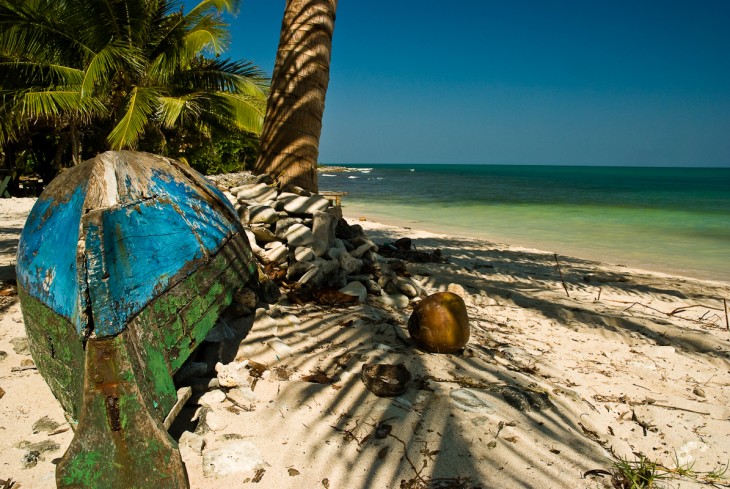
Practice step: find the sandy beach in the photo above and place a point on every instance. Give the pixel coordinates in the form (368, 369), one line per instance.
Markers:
(571, 366)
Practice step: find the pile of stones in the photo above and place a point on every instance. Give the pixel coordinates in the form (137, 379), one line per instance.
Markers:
(303, 240)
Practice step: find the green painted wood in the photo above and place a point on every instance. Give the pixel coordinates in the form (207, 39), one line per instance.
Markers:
(57, 350)
(119, 443)
(167, 331)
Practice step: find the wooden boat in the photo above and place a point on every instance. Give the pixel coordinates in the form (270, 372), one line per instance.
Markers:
(124, 265)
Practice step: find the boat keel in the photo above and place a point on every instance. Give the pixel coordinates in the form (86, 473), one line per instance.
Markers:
(118, 443)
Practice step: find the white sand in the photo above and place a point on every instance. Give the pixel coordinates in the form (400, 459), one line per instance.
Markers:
(624, 375)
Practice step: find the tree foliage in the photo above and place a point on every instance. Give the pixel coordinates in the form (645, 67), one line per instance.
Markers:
(93, 75)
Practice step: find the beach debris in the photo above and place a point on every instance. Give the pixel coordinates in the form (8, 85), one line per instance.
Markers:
(30, 458)
(524, 399)
(473, 401)
(390, 250)
(45, 424)
(560, 272)
(403, 243)
(232, 457)
(385, 380)
(318, 378)
(332, 297)
(3, 355)
(2, 392)
(20, 345)
(7, 483)
(440, 323)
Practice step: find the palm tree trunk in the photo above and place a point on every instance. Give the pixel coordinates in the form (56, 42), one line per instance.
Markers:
(293, 122)
(75, 144)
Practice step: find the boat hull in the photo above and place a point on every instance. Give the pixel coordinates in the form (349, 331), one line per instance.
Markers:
(157, 255)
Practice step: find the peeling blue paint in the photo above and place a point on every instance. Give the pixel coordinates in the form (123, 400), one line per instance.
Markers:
(160, 225)
(132, 254)
(46, 261)
(209, 224)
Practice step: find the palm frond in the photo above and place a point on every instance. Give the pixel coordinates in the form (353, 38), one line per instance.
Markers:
(29, 73)
(141, 104)
(28, 28)
(244, 112)
(225, 75)
(52, 104)
(178, 110)
(208, 6)
(114, 57)
(207, 34)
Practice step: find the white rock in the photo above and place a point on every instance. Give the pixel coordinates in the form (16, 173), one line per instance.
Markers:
(231, 198)
(398, 301)
(305, 205)
(297, 269)
(373, 287)
(232, 457)
(355, 289)
(360, 250)
(241, 396)
(308, 275)
(232, 374)
(324, 225)
(274, 245)
(212, 398)
(283, 225)
(277, 252)
(258, 191)
(262, 214)
(303, 253)
(252, 241)
(348, 263)
(299, 235)
(457, 289)
(193, 441)
(215, 421)
(407, 286)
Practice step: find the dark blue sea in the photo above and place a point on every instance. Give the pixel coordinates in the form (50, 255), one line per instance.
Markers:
(674, 220)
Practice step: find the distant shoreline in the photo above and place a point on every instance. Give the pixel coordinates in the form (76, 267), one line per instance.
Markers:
(670, 220)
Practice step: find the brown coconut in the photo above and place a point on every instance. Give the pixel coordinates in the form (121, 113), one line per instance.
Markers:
(440, 323)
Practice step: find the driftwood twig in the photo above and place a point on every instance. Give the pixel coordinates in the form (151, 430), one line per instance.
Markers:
(560, 272)
(665, 406)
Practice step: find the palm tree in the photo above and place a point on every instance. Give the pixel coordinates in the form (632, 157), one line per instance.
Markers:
(293, 123)
(116, 74)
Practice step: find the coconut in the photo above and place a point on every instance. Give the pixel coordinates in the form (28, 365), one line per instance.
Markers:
(440, 323)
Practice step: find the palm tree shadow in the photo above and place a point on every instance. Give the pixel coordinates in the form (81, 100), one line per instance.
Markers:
(422, 437)
(429, 435)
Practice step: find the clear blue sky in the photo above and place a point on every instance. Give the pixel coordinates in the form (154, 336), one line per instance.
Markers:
(579, 82)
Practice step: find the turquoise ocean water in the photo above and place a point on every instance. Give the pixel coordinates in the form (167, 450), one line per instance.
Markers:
(674, 220)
